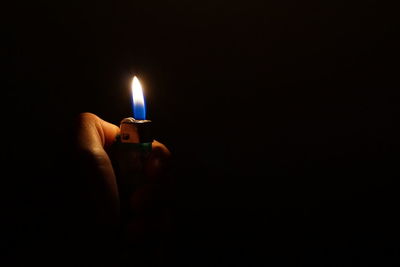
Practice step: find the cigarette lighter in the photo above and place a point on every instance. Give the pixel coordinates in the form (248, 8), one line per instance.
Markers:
(131, 150)
(129, 153)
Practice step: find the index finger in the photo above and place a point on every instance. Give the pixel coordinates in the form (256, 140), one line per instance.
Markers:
(93, 136)
(94, 133)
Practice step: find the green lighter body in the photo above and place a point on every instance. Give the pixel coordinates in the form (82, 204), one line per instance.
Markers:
(129, 163)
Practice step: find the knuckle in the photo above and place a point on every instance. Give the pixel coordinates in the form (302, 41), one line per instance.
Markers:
(86, 116)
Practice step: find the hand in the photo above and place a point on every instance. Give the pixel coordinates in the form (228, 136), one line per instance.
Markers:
(94, 138)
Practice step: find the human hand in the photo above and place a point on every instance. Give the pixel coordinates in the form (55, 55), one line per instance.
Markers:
(94, 138)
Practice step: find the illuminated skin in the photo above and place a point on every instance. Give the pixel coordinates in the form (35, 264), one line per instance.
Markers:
(94, 138)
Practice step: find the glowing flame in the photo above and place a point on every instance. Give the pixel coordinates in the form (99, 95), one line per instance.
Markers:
(139, 109)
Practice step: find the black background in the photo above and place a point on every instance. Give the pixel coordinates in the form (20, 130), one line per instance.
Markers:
(282, 117)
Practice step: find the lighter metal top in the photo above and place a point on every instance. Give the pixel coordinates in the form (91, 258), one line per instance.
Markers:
(135, 131)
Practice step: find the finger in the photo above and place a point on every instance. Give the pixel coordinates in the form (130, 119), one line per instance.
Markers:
(93, 135)
(149, 199)
(157, 161)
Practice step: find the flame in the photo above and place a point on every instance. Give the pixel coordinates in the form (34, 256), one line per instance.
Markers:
(139, 110)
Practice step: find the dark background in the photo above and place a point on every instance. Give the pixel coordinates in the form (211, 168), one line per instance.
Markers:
(282, 117)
